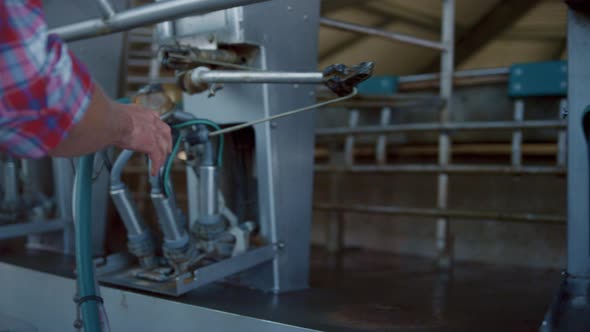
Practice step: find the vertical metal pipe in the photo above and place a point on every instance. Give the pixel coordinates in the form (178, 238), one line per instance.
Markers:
(353, 119)
(562, 138)
(155, 63)
(334, 229)
(335, 224)
(381, 146)
(208, 205)
(164, 30)
(443, 240)
(578, 195)
(517, 134)
(63, 182)
(10, 184)
(106, 10)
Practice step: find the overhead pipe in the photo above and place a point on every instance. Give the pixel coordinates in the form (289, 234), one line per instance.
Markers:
(145, 15)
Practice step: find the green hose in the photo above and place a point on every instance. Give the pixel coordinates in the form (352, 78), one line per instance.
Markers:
(168, 165)
(84, 264)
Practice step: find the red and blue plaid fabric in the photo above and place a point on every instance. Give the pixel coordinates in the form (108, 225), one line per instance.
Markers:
(44, 89)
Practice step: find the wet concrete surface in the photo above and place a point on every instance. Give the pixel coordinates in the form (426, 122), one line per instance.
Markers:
(397, 293)
(370, 291)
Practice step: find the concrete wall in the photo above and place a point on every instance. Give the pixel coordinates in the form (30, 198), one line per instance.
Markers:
(539, 245)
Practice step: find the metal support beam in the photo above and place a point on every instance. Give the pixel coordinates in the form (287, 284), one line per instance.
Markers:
(351, 42)
(451, 169)
(145, 15)
(490, 26)
(445, 127)
(24, 229)
(106, 9)
(398, 37)
(517, 134)
(578, 234)
(570, 308)
(333, 5)
(444, 213)
(403, 14)
(444, 240)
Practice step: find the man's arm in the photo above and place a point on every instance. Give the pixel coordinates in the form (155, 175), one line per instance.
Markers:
(106, 122)
(49, 103)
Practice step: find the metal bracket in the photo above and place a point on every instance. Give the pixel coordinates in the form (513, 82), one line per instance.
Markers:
(117, 271)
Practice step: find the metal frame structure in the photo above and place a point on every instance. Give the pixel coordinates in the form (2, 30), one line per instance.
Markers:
(446, 47)
(570, 308)
(110, 22)
(284, 217)
(444, 81)
(516, 168)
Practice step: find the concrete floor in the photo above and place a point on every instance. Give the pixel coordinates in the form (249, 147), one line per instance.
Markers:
(370, 291)
(398, 293)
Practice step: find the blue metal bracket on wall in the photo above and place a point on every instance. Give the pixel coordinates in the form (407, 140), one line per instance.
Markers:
(538, 79)
(379, 86)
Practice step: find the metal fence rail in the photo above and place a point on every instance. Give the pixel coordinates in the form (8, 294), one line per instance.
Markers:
(447, 126)
(341, 162)
(448, 213)
(451, 169)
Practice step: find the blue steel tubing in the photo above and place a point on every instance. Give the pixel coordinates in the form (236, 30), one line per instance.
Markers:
(84, 264)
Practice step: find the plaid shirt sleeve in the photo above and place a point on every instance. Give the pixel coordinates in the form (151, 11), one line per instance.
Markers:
(44, 89)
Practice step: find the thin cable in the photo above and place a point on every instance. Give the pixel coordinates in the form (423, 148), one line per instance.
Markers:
(278, 116)
(228, 65)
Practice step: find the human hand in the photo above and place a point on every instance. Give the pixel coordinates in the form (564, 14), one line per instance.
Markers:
(142, 130)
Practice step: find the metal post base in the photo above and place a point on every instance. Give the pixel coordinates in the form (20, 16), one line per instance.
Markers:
(570, 309)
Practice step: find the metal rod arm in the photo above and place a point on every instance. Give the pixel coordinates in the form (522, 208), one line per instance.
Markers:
(145, 15)
(221, 76)
(383, 34)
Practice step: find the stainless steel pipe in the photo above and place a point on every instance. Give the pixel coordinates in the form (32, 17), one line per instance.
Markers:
(203, 76)
(208, 204)
(145, 15)
(106, 9)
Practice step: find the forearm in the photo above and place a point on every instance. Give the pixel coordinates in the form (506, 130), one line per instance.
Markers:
(107, 122)
(102, 125)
